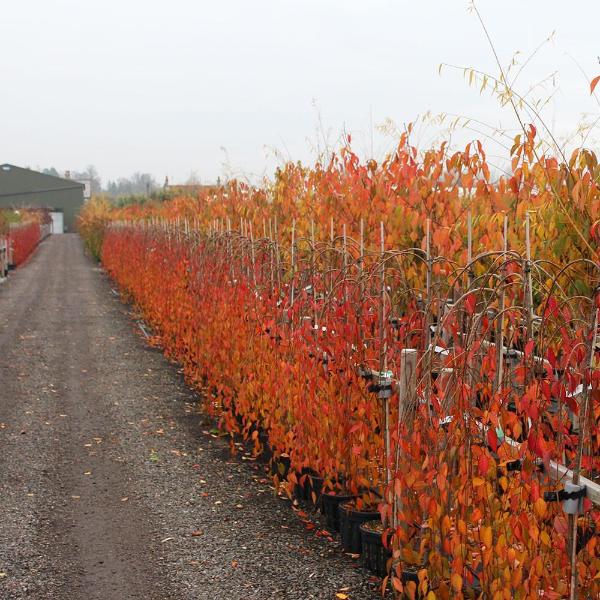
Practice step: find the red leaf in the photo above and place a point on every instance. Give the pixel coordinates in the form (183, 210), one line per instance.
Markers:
(492, 439)
(470, 303)
(551, 357)
(484, 464)
(529, 348)
(594, 83)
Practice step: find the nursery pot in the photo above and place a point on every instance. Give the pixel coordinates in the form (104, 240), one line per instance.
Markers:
(267, 451)
(302, 491)
(374, 555)
(280, 466)
(330, 506)
(350, 521)
(316, 490)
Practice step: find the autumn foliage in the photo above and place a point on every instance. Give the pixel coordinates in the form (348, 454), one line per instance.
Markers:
(294, 305)
(24, 238)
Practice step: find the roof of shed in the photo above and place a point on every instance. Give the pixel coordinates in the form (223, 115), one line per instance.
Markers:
(17, 180)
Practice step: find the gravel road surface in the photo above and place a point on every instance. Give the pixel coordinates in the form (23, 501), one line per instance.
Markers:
(111, 484)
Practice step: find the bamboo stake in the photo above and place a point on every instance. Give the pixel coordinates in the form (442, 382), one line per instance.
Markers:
(383, 358)
(277, 265)
(344, 262)
(500, 332)
(312, 273)
(293, 256)
(272, 278)
(252, 257)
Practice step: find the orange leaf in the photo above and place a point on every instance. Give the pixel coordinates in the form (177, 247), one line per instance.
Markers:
(594, 83)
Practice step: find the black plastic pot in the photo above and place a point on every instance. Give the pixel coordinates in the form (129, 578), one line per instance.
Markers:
(266, 453)
(330, 506)
(374, 554)
(302, 488)
(350, 522)
(316, 490)
(280, 466)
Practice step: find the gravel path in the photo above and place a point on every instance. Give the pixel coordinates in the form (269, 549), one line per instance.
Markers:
(111, 485)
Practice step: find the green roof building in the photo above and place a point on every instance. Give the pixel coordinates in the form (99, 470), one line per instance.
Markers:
(24, 188)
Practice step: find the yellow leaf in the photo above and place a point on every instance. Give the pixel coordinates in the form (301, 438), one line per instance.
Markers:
(456, 581)
(486, 536)
(545, 538)
(540, 507)
(477, 481)
(341, 596)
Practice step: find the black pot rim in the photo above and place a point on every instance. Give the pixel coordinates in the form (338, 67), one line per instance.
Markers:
(361, 513)
(363, 527)
(342, 497)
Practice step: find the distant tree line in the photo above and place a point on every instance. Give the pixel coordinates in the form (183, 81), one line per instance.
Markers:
(126, 190)
(139, 184)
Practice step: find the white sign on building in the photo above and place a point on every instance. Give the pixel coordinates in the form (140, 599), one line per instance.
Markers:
(87, 191)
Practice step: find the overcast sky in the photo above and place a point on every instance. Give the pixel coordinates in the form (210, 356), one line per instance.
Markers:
(171, 87)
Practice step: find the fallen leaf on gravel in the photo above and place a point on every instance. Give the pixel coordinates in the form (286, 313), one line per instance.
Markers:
(234, 564)
(196, 533)
(3, 575)
(125, 499)
(87, 445)
(239, 506)
(218, 502)
(166, 540)
(76, 497)
(342, 596)
(88, 473)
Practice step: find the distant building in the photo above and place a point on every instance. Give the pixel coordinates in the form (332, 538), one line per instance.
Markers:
(24, 188)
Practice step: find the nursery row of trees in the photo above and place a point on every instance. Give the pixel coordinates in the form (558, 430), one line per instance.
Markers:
(20, 233)
(408, 337)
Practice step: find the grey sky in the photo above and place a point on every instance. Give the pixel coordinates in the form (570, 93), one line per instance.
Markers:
(157, 86)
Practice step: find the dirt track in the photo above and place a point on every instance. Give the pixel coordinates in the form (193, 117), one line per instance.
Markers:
(105, 472)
